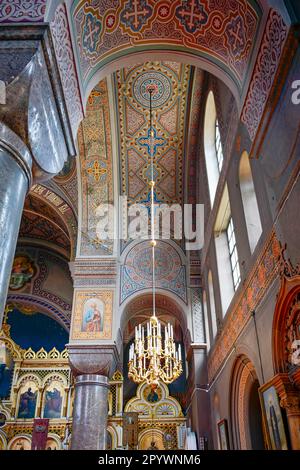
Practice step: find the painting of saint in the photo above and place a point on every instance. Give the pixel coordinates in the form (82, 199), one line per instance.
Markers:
(28, 402)
(22, 271)
(53, 401)
(274, 420)
(152, 394)
(93, 316)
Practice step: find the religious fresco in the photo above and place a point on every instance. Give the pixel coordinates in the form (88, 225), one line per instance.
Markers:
(22, 272)
(136, 271)
(28, 399)
(92, 315)
(42, 295)
(53, 400)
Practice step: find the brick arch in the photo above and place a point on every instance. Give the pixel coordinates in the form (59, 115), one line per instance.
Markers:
(244, 377)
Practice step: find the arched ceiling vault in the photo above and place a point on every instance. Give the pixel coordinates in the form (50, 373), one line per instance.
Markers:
(141, 306)
(48, 221)
(216, 36)
(113, 142)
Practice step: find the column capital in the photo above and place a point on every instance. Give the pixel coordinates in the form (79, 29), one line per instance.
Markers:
(291, 403)
(92, 379)
(98, 360)
(288, 394)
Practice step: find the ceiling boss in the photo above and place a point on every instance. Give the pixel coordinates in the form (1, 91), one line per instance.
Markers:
(153, 356)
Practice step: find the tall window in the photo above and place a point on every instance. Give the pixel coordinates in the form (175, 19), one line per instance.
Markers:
(233, 254)
(226, 251)
(212, 146)
(252, 216)
(218, 145)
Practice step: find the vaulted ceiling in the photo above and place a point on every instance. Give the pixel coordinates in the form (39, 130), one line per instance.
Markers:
(170, 121)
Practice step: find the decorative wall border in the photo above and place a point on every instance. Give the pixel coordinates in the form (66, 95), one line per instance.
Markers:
(264, 73)
(67, 70)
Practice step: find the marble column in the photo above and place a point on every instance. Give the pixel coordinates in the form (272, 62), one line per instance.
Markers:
(90, 412)
(15, 180)
(92, 365)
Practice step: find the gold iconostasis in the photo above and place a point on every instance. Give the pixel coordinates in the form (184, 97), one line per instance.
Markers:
(41, 386)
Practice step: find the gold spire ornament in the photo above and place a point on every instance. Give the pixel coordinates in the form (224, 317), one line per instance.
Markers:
(153, 356)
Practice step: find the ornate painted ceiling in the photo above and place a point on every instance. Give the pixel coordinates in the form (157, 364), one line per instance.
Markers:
(48, 220)
(96, 168)
(221, 31)
(169, 122)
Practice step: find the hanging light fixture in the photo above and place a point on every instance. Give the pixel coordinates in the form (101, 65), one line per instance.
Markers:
(153, 356)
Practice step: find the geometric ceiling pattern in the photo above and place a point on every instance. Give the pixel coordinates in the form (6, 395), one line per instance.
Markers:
(171, 80)
(95, 151)
(221, 31)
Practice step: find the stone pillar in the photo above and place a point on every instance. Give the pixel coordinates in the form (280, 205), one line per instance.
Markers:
(15, 180)
(90, 412)
(92, 365)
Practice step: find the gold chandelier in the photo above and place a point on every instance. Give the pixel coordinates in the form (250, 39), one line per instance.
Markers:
(153, 356)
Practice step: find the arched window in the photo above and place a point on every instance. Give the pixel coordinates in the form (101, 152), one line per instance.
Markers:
(212, 146)
(251, 211)
(212, 305)
(226, 251)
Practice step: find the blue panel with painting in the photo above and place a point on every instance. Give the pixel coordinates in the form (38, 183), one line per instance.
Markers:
(28, 398)
(53, 402)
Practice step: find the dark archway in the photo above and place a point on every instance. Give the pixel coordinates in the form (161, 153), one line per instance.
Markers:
(255, 418)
